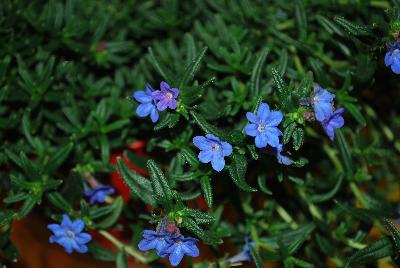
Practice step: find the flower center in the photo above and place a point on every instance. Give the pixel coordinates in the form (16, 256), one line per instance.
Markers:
(70, 234)
(261, 127)
(169, 95)
(215, 147)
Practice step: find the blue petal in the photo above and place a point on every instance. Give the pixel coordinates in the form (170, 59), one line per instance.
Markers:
(330, 132)
(162, 245)
(144, 110)
(201, 143)
(251, 117)
(272, 136)
(154, 115)
(226, 148)
(146, 244)
(176, 256)
(190, 249)
(164, 86)
(396, 66)
(251, 130)
(149, 89)
(77, 226)
(83, 238)
(142, 97)
(162, 104)
(323, 110)
(175, 92)
(81, 248)
(217, 162)
(66, 243)
(274, 118)
(149, 233)
(388, 58)
(212, 137)
(261, 141)
(66, 221)
(263, 111)
(205, 156)
(56, 229)
(284, 160)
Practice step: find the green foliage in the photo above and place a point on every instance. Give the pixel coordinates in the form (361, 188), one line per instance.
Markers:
(67, 73)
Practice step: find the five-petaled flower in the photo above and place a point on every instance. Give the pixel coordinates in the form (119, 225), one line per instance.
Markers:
(282, 159)
(69, 235)
(213, 150)
(264, 126)
(155, 240)
(165, 97)
(322, 102)
(392, 58)
(335, 120)
(98, 193)
(180, 246)
(147, 103)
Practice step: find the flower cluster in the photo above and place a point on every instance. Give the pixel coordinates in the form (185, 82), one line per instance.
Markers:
(98, 193)
(152, 101)
(322, 103)
(392, 58)
(167, 241)
(69, 235)
(213, 150)
(264, 127)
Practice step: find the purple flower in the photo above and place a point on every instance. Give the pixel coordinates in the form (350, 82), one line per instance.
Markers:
(157, 240)
(335, 120)
(98, 194)
(212, 150)
(180, 246)
(245, 254)
(147, 106)
(69, 235)
(263, 126)
(282, 159)
(166, 97)
(392, 58)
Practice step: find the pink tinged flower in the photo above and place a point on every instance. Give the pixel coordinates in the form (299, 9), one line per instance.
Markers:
(165, 97)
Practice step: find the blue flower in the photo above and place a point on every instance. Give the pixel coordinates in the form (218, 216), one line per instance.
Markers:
(392, 58)
(335, 120)
(180, 246)
(158, 240)
(245, 254)
(212, 150)
(69, 235)
(282, 159)
(98, 194)
(147, 106)
(322, 102)
(263, 126)
(166, 97)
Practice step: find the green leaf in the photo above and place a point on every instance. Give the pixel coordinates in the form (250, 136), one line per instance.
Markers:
(136, 183)
(57, 159)
(355, 112)
(288, 132)
(298, 138)
(198, 216)
(394, 230)
(318, 198)
(207, 127)
(255, 257)
(158, 66)
(192, 226)
(100, 253)
(253, 151)
(161, 188)
(169, 120)
(189, 156)
(379, 249)
(104, 148)
(57, 200)
(7, 216)
(207, 190)
(121, 260)
(301, 19)
(255, 78)
(191, 69)
(352, 28)
(262, 185)
(110, 220)
(27, 206)
(237, 172)
(15, 198)
(184, 177)
(345, 154)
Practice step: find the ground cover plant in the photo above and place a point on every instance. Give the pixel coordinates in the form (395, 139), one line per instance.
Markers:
(202, 134)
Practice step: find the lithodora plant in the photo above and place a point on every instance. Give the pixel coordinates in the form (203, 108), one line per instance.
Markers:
(207, 134)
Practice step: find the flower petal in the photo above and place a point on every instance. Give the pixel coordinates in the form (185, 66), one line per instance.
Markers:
(144, 110)
(176, 256)
(212, 137)
(146, 244)
(202, 143)
(83, 238)
(154, 115)
(323, 110)
(251, 130)
(263, 111)
(164, 86)
(142, 97)
(175, 92)
(217, 162)
(388, 58)
(205, 156)
(81, 248)
(226, 148)
(66, 221)
(274, 118)
(190, 249)
(272, 136)
(251, 117)
(77, 226)
(162, 104)
(261, 141)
